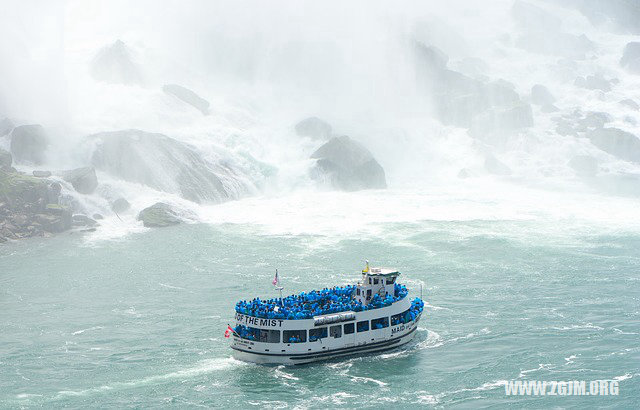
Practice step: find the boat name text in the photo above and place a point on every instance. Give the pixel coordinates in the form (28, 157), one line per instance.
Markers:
(250, 320)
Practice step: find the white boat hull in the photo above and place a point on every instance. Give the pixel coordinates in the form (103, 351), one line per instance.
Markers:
(294, 359)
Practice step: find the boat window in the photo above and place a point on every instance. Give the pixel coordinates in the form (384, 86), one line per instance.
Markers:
(335, 331)
(348, 328)
(391, 280)
(369, 281)
(363, 326)
(248, 333)
(395, 319)
(358, 292)
(294, 336)
(269, 336)
(368, 293)
(375, 281)
(317, 334)
(380, 323)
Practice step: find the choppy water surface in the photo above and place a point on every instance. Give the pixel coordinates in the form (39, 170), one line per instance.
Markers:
(139, 321)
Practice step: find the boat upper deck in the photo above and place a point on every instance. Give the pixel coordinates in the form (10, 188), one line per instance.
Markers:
(315, 303)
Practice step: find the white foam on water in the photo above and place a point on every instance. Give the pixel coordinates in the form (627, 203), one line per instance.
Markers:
(171, 286)
(541, 366)
(201, 368)
(79, 332)
(280, 373)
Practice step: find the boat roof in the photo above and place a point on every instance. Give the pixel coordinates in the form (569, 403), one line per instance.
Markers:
(382, 272)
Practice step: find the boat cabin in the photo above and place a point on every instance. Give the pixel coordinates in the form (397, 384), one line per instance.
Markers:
(375, 281)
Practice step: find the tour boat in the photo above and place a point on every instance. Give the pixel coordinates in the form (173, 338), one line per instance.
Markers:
(371, 316)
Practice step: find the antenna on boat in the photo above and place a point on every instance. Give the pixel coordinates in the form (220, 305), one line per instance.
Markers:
(421, 291)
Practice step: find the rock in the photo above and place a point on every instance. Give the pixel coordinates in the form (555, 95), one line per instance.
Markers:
(120, 205)
(6, 125)
(494, 166)
(631, 57)
(114, 64)
(584, 165)
(431, 58)
(5, 159)
(28, 143)
(167, 165)
(549, 108)
(315, 128)
(540, 95)
(542, 33)
(593, 119)
(158, 215)
(617, 142)
(56, 219)
(19, 191)
(593, 82)
(631, 104)
(53, 192)
(97, 217)
(20, 220)
(186, 95)
(466, 173)
(622, 15)
(348, 165)
(41, 174)
(82, 220)
(84, 180)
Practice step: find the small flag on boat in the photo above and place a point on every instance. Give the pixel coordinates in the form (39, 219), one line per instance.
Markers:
(366, 268)
(275, 280)
(228, 332)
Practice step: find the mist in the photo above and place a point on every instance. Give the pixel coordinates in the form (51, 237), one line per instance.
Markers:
(447, 97)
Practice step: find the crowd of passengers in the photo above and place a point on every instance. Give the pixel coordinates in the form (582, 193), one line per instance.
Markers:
(417, 306)
(314, 303)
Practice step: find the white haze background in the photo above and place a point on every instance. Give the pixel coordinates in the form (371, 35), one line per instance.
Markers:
(264, 66)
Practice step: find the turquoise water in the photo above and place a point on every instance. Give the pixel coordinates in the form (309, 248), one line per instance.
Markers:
(139, 321)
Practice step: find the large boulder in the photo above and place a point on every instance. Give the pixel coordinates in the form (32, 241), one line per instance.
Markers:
(186, 95)
(622, 15)
(5, 127)
(631, 104)
(20, 191)
(314, 127)
(5, 159)
(114, 64)
(542, 33)
(56, 218)
(29, 143)
(540, 95)
(631, 57)
(463, 101)
(617, 142)
(84, 180)
(166, 164)
(120, 205)
(348, 165)
(593, 82)
(159, 215)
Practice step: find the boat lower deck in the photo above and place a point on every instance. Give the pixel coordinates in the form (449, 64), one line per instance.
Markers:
(313, 356)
